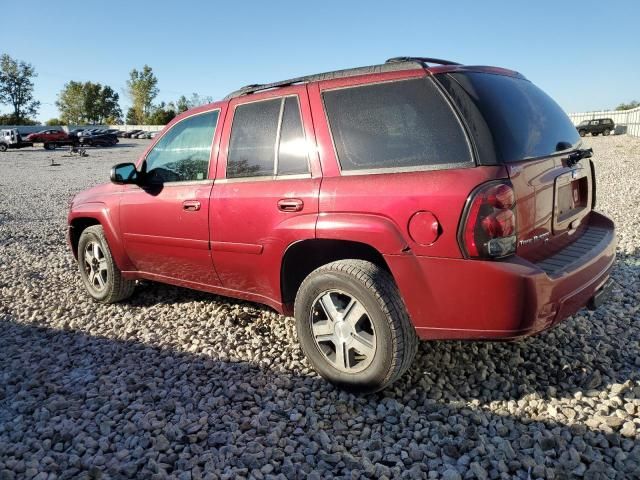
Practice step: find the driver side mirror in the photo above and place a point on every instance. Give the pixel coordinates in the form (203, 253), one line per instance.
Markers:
(124, 173)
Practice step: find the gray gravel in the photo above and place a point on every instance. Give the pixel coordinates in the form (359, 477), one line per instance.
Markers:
(190, 385)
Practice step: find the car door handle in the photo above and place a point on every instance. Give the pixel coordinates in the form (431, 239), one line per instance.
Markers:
(191, 205)
(290, 204)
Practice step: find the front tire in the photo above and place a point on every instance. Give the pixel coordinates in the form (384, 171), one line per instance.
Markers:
(606, 132)
(3, 147)
(100, 274)
(353, 326)
(582, 133)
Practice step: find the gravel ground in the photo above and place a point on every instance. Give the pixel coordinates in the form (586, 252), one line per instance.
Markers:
(174, 383)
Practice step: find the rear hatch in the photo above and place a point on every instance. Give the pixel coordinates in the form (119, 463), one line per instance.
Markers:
(516, 124)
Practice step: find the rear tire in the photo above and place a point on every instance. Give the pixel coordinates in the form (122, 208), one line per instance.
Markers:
(353, 326)
(100, 274)
(3, 147)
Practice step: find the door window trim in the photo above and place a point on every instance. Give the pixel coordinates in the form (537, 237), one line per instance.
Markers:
(276, 146)
(417, 168)
(213, 138)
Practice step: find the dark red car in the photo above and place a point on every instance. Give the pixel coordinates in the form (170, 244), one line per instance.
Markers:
(47, 136)
(417, 199)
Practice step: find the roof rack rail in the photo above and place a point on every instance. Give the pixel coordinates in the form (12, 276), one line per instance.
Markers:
(421, 60)
(393, 64)
(257, 87)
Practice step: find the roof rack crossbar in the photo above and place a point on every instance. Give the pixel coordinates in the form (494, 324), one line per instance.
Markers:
(421, 60)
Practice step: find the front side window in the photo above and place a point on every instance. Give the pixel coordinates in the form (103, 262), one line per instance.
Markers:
(401, 125)
(183, 153)
(267, 140)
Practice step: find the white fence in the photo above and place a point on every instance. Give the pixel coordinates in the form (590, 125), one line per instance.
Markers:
(628, 118)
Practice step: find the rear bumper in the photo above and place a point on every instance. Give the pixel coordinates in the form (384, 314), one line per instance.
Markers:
(468, 299)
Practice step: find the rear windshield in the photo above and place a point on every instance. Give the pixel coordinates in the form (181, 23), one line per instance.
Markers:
(522, 121)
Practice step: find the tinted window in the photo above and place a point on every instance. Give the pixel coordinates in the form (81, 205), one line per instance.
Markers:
(519, 119)
(394, 125)
(292, 151)
(182, 154)
(253, 139)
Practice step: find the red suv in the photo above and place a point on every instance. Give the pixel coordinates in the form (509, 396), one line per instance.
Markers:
(417, 199)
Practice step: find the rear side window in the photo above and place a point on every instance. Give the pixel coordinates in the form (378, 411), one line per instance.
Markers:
(404, 124)
(267, 139)
(512, 114)
(182, 154)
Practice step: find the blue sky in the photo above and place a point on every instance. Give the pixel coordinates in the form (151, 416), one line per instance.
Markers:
(585, 54)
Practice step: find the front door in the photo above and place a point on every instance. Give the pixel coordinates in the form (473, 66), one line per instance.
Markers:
(165, 220)
(266, 193)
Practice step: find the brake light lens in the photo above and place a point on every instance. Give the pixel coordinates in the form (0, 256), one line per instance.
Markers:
(489, 227)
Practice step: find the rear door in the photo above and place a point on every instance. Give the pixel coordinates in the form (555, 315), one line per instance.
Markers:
(266, 192)
(516, 124)
(165, 221)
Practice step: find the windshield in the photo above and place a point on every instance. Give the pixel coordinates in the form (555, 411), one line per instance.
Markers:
(584, 122)
(521, 120)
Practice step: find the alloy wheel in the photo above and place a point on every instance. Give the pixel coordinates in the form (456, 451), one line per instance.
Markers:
(343, 331)
(95, 266)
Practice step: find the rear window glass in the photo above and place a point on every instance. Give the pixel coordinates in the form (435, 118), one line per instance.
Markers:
(523, 121)
(401, 125)
(253, 137)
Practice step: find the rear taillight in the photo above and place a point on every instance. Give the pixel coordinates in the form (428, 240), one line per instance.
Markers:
(489, 222)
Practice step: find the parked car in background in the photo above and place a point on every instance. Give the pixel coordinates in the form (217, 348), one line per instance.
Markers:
(154, 134)
(10, 138)
(596, 127)
(76, 131)
(99, 139)
(131, 133)
(48, 136)
(379, 205)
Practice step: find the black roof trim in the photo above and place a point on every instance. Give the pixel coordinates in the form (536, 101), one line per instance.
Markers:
(349, 72)
(424, 61)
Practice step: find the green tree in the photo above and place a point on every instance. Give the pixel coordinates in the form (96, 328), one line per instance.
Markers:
(142, 89)
(131, 117)
(10, 119)
(71, 103)
(162, 114)
(628, 106)
(16, 88)
(53, 122)
(182, 104)
(88, 102)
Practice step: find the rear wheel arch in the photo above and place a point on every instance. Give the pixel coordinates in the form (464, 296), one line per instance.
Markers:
(303, 257)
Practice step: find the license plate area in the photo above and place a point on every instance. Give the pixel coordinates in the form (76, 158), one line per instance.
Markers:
(572, 199)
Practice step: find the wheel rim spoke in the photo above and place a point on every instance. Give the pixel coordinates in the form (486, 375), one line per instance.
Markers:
(341, 357)
(364, 346)
(329, 307)
(102, 265)
(101, 282)
(354, 312)
(322, 328)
